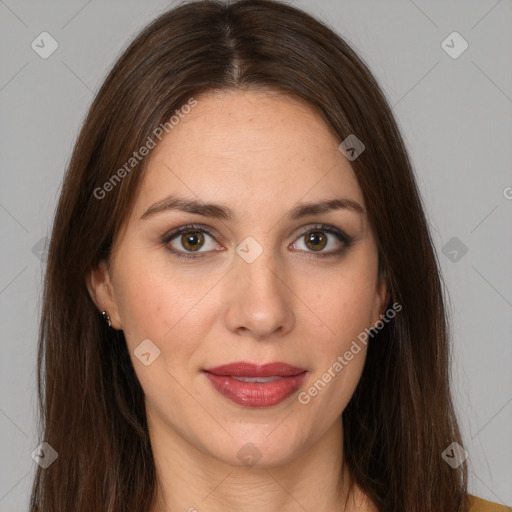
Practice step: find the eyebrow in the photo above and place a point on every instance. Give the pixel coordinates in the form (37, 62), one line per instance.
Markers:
(219, 211)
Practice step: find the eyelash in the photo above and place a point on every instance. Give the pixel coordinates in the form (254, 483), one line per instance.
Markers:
(340, 235)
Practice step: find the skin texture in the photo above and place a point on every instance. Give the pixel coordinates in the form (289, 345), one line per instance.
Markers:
(259, 153)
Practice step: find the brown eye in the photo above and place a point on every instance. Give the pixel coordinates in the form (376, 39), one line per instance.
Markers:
(316, 240)
(323, 241)
(192, 240)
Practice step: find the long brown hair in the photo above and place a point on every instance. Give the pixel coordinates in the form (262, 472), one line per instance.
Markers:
(401, 416)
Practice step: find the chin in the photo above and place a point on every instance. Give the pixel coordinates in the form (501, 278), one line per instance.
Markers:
(257, 447)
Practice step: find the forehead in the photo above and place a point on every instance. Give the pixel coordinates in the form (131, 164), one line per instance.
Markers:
(245, 148)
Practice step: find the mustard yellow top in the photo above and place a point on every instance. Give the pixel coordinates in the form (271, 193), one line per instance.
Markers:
(480, 505)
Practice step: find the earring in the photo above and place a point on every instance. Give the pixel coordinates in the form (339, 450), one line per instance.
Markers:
(107, 318)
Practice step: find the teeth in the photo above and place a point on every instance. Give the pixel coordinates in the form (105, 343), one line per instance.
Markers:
(256, 379)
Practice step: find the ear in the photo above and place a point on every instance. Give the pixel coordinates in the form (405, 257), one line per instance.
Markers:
(382, 297)
(102, 293)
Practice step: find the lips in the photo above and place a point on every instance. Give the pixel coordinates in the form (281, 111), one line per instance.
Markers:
(244, 369)
(253, 385)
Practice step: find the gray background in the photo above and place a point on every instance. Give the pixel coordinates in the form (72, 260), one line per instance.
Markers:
(456, 117)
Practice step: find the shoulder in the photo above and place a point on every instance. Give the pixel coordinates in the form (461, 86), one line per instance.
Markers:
(479, 505)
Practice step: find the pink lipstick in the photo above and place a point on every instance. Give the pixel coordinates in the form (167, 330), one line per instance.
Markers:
(254, 385)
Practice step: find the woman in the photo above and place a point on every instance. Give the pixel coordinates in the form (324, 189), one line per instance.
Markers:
(243, 308)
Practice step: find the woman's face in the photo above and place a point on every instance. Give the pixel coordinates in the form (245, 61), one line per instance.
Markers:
(261, 285)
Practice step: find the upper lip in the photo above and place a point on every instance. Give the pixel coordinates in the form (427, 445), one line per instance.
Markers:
(247, 369)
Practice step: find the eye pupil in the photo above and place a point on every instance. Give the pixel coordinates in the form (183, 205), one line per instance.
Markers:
(189, 240)
(317, 239)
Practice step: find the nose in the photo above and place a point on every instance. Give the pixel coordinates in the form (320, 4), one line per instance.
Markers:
(260, 300)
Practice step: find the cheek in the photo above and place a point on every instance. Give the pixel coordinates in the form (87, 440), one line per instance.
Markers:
(342, 302)
(345, 315)
(342, 309)
(159, 303)
(339, 355)
(140, 304)
(143, 302)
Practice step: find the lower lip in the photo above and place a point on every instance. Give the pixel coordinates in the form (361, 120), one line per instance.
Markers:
(263, 394)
